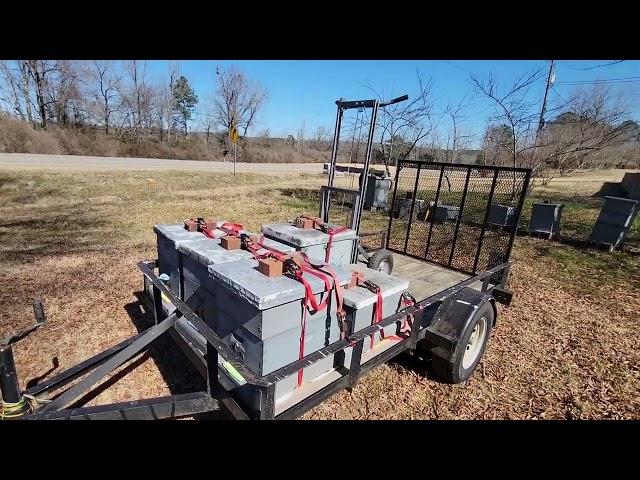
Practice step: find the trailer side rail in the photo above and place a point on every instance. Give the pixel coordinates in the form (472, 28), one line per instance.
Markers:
(463, 217)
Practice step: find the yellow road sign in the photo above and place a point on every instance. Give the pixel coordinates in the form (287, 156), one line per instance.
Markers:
(233, 134)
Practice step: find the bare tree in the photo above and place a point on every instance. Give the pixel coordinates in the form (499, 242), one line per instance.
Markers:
(40, 71)
(513, 106)
(11, 79)
(237, 99)
(403, 125)
(167, 101)
(139, 100)
(591, 124)
(320, 137)
(103, 90)
(457, 139)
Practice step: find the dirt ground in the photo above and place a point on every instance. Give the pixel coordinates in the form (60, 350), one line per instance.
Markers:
(566, 347)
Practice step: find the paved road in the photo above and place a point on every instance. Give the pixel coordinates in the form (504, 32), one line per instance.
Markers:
(79, 162)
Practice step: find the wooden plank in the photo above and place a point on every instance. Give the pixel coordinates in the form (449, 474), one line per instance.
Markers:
(425, 278)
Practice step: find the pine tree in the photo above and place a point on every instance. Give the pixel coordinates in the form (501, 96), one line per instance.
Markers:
(184, 101)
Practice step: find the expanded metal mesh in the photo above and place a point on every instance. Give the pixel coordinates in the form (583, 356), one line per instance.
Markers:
(461, 216)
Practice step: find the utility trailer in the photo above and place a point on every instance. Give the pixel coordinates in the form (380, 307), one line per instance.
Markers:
(458, 269)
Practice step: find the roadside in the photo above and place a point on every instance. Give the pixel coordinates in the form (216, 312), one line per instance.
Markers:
(18, 161)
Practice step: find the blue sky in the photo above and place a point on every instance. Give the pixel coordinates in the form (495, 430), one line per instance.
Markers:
(305, 90)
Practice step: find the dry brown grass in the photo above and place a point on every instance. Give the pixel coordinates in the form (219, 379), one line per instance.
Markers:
(560, 351)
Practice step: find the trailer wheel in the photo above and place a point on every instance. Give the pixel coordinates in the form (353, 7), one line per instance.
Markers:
(457, 366)
(381, 260)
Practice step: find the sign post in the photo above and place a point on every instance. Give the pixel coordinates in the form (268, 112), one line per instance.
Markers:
(233, 136)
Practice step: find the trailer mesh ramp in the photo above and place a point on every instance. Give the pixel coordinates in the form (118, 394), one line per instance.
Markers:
(464, 217)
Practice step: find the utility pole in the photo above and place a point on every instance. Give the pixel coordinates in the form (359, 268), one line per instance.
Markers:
(550, 80)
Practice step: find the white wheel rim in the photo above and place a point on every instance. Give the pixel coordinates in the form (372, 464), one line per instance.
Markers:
(474, 346)
(384, 266)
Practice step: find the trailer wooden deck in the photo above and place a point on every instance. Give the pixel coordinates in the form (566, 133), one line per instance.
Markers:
(425, 278)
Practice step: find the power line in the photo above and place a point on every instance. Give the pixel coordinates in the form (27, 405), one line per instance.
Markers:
(602, 65)
(606, 80)
(459, 67)
(556, 92)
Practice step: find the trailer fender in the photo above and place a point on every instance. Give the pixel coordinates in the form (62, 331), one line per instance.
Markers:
(454, 315)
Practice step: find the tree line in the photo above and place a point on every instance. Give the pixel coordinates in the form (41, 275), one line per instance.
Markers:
(122, 98)
(591, 127)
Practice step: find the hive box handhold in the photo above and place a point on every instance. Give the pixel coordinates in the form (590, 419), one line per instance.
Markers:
(305, 223)
(230, 243)
(270, 267)
(191, 225)
(211, 224)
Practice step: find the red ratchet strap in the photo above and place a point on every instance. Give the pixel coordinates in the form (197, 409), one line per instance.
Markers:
(336, 282)
(377, 306)
(228, 228)
(406, 300)
(231, 228)
(207, 232)
(331, 231)
(316, 269)
(301, 349)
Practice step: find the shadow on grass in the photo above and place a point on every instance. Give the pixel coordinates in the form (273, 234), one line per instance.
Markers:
(37, 232)
(176, 369)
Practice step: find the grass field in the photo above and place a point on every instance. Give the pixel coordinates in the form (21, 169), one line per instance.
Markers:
(566, 348)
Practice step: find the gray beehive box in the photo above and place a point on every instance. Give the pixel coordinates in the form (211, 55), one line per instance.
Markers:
(261, 318)
(446, 213)
(169, 237)
(545, 218)
(402, 207)
(359, 301)
(313, 242)
(614, 222)
(199, 288)
(377, 192)
(502, 215)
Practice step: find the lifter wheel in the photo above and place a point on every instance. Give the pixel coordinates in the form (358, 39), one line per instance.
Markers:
(381, 260)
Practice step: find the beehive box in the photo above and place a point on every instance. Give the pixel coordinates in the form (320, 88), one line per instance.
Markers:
(614, 221)
(359, 301)
(262, 317)
(545, 218)
(502, 215)
(199, 287)
(314, 242)
(446, 213)
(169, 237)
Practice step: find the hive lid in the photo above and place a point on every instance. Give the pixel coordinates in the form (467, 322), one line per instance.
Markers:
(360, 297)
(268, 242)
(303, 237)
(266, 292)
(176, 233)
(209, 252)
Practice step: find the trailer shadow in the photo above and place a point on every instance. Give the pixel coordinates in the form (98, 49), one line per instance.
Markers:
(418, 364)
(177, 372)
(176, 369)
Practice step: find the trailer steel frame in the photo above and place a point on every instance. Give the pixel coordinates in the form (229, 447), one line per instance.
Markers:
(215, 398)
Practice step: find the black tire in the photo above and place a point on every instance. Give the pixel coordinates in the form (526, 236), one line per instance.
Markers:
(450, 366)
(380, 258)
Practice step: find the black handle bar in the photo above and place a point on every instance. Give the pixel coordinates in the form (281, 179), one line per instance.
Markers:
(395, 100)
